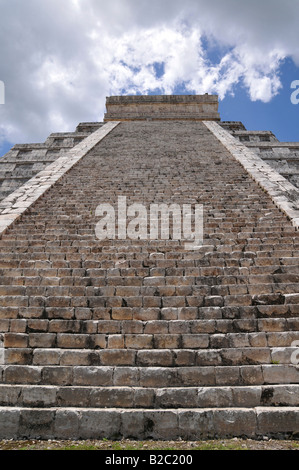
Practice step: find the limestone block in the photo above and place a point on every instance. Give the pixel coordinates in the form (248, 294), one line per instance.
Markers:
(235, 422)
(66, 425)
(99, 424)
(161, 425)
(196, 425)
(278, 374)
(227, 375)
(93, 376)
(46, 357)
(158, 377)
(36, 423)
(133, 424)
(196, 376)
(176, 398)
(39, 396)
(152, 358)
(117, 358)
(195, 341)
(277, 421)
(52, 375)
(9, 395)
(9, 423)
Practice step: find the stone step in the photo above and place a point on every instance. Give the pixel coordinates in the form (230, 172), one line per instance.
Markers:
(41, 396)
(228, 242)
(132, 294)
(43, 226)
(177, 260)
(144, 424)
(131, 284)
(230, 271)
(143, 337)
(19, 290)
(149, 376)
(152, 338)
(113, 327)
(148, 313)
(152, 357)
(223, 232)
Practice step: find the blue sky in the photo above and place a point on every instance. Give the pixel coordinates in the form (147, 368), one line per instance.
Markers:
(278, 115)
(59, 60)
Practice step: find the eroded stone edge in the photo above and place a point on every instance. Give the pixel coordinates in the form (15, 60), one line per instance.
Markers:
(14, 205)
(283, 193)
(159, 424)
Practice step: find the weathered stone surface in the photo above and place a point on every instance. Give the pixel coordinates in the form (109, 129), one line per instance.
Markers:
(25, 375)
(39, 397)
(161, 425)
(277, 422)
(19, 201)
(36, 423)
(98, 424)
(196, 425)
(145, 338)
(235, 422)
(133, 424)
(9, 423)
(279, 374)
(215, 397)
(280, 190)
(161, 107)
(66, 424)
(93, 376)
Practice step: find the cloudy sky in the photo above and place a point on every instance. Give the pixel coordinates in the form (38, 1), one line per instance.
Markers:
(61, 58)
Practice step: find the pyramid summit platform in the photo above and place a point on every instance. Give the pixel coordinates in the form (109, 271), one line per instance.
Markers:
(145, 339)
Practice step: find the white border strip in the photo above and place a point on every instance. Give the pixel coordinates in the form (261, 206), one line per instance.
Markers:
(14, 205)
(282, 192)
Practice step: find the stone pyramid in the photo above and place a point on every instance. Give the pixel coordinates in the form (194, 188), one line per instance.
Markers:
(139, 338)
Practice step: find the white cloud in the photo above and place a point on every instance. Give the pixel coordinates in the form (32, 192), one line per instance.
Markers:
(59, 60)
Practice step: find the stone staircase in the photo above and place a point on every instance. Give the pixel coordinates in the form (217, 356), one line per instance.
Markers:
(24, 161)
(282, 156)
(143, 339)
